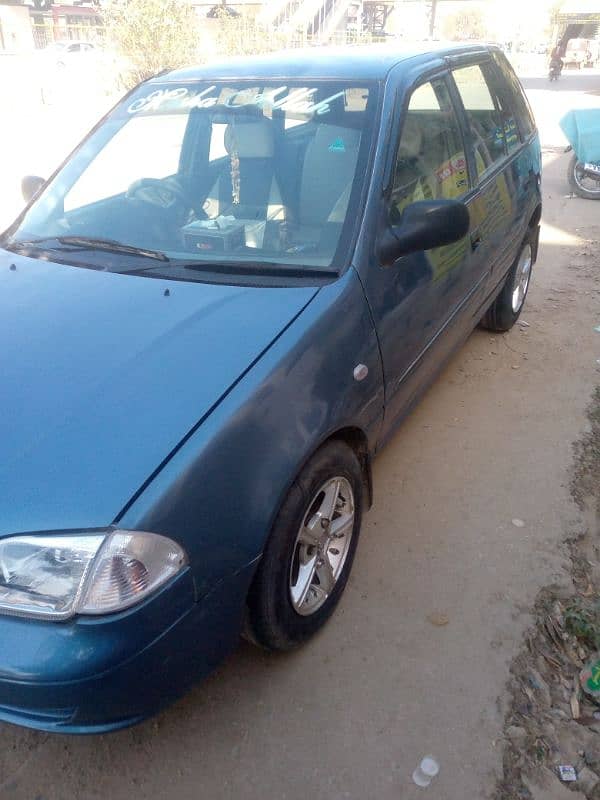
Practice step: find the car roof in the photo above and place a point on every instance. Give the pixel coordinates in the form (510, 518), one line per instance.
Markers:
(366, 62)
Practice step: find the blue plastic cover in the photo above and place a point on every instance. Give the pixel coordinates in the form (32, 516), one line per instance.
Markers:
(582, 129)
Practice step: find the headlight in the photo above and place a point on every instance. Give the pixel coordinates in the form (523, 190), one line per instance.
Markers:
(58, 575)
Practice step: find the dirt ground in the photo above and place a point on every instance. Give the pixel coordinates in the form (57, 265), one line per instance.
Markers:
(553, 721)
(351, 714)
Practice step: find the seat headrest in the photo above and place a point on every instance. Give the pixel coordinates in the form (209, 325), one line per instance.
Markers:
(411, 141)
(250, 139)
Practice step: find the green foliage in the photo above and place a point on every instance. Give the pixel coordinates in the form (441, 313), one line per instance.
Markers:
(582, 620)
(150, 35)
(240, 36)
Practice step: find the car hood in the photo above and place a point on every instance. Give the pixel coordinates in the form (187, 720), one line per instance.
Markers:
(103, 374)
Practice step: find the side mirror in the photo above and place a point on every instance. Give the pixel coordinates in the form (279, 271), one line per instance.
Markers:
(30, 186)
(424, 225)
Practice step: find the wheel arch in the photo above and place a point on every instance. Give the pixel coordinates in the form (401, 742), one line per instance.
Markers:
(533, 228)
(357, 440)
(536, 216)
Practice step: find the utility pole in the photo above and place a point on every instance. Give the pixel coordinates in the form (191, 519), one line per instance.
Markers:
(432, 17)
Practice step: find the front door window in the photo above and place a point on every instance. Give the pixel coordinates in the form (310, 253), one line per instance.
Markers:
(430, 163)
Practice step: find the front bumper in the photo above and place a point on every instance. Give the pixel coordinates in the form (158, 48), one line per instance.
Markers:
(92, 675)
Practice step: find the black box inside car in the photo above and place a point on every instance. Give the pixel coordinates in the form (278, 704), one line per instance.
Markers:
(214, 236)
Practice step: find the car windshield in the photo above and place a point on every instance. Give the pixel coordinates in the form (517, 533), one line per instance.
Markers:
(200, 174)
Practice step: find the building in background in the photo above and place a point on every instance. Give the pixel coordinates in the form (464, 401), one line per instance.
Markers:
(29, 24)
(32, 25)
(325, 20)
(59, 22)
(577, 29)
(15, 28)
(532, 27)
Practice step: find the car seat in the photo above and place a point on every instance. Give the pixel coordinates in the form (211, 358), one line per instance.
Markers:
(327, 175)
(247, 188)
(325, 185)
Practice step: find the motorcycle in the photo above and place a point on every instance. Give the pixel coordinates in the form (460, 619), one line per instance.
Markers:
(555, 70)
(582, 129)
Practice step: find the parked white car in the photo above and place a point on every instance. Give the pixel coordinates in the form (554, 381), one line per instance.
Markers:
(64, 54)
(578, 53)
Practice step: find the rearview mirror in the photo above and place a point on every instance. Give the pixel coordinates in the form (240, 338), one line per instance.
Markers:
(30, 186)
(424, 225)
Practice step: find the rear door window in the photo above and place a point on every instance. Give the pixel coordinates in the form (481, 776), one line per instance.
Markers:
(518, 101)
(501, 92)
(483, 107)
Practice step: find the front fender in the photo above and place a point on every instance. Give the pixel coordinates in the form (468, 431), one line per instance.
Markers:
(220, 491)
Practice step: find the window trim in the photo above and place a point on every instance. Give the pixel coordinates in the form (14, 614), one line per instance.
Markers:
(468, 59)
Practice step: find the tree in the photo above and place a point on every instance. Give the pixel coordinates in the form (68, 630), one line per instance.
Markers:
(464, 25)
(241, 35)
(151, 35)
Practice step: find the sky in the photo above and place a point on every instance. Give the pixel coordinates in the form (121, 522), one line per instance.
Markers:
(508, 20)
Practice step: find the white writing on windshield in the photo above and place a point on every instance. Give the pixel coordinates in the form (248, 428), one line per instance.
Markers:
(299, 101)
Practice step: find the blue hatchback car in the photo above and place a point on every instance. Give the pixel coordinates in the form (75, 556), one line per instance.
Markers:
(213, 315)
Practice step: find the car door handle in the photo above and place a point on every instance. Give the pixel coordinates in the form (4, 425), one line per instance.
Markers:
(475, 240)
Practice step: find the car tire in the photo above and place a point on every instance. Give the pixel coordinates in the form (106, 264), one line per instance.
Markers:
(286, 605)
(506, 308)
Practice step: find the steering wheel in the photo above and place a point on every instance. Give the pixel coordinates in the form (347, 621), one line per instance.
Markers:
(163, 193)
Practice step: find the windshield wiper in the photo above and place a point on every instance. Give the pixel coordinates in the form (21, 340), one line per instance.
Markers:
(112, 246)
(91, 243)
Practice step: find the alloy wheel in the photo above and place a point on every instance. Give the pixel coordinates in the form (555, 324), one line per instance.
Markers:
(322, 546)
(522, 275)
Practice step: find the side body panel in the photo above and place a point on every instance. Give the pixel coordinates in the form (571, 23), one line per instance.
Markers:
(423, 305)
(421, 322)
(507, 205)
(504, 203)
